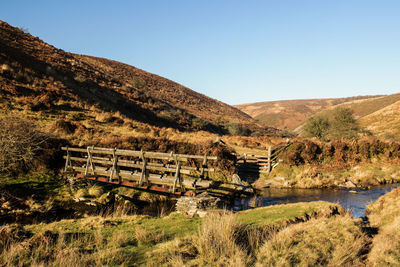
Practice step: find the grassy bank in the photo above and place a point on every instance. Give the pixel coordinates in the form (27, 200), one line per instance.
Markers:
(278, 235)
(144, 240)
(384, 214)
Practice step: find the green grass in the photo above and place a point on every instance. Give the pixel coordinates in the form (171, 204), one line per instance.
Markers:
(155, 230)
(279, 214)
(139, 235)
(42, 184)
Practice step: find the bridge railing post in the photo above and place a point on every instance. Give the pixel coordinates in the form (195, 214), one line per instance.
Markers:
(144, 174)
(68, 163)
(89, 161)
(114, 169)
(177, 175)
(269, 160)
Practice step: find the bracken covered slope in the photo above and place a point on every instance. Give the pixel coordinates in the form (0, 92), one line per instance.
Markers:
(38, 76)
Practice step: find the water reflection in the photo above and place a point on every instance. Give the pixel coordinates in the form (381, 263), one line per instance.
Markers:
(354, 200)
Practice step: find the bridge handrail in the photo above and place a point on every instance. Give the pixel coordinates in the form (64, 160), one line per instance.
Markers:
(133, 153)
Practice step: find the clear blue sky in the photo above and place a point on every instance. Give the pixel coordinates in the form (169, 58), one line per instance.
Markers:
(234, 51)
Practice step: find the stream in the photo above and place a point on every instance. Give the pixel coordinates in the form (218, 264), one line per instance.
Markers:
(354, 200)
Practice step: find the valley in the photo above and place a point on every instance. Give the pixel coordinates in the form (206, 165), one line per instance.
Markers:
(106, 164)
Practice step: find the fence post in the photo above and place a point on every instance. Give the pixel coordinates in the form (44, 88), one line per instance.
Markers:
(269, 160)
(204, 165)
(68, 161)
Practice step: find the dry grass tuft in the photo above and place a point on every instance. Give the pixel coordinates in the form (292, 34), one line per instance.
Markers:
(143, 236)
(104, 117)
(385, 214)
(50, 249)
(386, 246)
(385, 209)
(334, 241)
(217, 242)
(83, 192)
(95, 191)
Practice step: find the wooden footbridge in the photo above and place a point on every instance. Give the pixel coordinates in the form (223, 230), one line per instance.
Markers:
(169, 173)
(166, 173)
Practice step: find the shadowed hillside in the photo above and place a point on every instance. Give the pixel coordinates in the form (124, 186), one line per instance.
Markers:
(37, 77)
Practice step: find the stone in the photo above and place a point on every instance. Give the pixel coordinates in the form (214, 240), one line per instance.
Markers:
(200, 204)
(236, 179)
(349, 184)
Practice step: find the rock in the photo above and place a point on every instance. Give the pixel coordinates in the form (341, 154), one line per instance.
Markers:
(80, 199)
(236, 179)
(199, 205)
(280, 178)
(349, 184)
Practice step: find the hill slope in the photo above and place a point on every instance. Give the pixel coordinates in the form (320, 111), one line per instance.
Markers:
(38, 77)
(291, 113)
(384, 122)
(365, 107)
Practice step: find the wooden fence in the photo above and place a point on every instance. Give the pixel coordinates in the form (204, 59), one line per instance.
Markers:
(251, 163)
(141, 169)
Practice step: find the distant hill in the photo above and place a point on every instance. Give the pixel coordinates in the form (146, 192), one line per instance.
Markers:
(292, 113)
(38, 77)
(365, 107)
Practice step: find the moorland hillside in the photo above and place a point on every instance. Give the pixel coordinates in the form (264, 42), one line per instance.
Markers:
(38, 78)
(292, 113)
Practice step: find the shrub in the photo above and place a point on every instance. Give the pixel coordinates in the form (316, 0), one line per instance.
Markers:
(344, 125)
(63, 126)
(80, 78)
(237, 129)
(20, 142)
(317, 126)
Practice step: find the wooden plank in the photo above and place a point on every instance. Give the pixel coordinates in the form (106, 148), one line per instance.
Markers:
(138, 165)
(153, 179)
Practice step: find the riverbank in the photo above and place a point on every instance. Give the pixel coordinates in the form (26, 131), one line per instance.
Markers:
(279, 235)
(363, 175)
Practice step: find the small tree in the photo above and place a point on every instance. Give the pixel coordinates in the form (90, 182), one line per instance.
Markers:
(20, 141)
(344, 125)
(317, 126)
